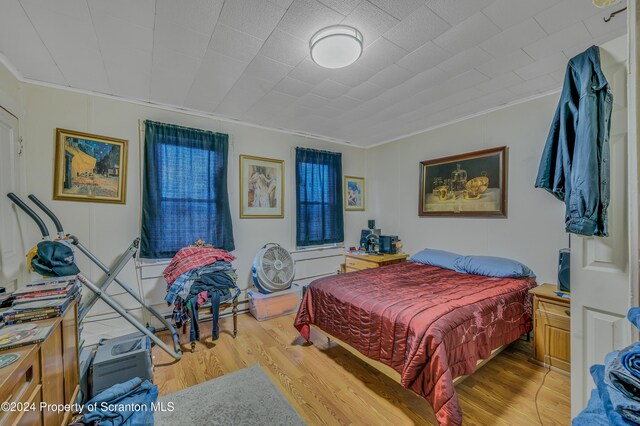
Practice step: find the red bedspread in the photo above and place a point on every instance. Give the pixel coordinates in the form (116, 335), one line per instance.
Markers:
(429, 324)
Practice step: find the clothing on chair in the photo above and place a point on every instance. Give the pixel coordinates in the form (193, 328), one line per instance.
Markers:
(190, 258)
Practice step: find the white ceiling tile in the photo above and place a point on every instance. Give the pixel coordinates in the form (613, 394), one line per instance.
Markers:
(305, 17)
(172, 74)
(558, 41)
(495, 99)
(509, 62)
(75, 9)
(311, 101)
(506, 13)
(421, 26)
(565, 13)
(464, 61)
(238, 101)
(115, 34)
(84, 69)
(139, 12)
(513, 38)
(546, 65)
(197, 15)
(22, 45)
(344, 7)
(328, 112)
(467, 33)
(60, 31)
(344, 103)
(216, 76)
(330, 89)
(352, 75)
(457, 11)
(597, 27)
(371, 21)
(365, 91)
(502, 81)
(381, 54)
(310, 72)
(268, 69)
(398, 9)
(180, 39)
(235, 44)
(537, 85)
(285, 48)
(249, 59)
(293, 87)
(254, 17)
(427, 56)
(391, 76)
(282, 3)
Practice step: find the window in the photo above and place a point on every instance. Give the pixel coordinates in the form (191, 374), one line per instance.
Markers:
(184, 190)
(319, 198)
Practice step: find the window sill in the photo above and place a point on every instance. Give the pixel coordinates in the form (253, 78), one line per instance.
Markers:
(318, 248)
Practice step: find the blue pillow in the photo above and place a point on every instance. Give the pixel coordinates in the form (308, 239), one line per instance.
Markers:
(492, 267)
(439, 258)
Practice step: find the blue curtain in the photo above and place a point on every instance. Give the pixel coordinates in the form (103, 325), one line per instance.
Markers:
(318, 197)
(184, 190)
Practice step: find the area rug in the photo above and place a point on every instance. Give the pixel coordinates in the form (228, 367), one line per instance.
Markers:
(245, 397)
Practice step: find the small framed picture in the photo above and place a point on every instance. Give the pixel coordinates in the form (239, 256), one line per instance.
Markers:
(89, 168)
(353, 193)
(261, 187)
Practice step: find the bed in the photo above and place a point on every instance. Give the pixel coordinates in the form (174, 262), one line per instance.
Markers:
(429, 325)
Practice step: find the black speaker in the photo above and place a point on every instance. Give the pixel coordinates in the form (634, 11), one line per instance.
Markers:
(564, 270)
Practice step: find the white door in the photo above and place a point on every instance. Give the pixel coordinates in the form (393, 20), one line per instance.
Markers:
(12, 179)
(600, 273)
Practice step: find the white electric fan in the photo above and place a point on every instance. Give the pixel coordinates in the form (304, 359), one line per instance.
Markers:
(273, 269)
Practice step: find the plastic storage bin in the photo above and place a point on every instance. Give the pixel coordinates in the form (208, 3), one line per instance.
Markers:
(267, 306)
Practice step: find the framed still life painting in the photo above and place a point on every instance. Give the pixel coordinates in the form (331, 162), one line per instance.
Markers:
(261, 187)
(471, 185)
(89, 168)
(353, 193)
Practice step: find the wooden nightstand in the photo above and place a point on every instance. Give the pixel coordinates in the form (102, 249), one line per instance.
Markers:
(551, 327)
(358, 262)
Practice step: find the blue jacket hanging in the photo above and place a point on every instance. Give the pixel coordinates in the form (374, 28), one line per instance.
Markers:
(575, 162)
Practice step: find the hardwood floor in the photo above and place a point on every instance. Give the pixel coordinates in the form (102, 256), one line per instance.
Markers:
(329, 386)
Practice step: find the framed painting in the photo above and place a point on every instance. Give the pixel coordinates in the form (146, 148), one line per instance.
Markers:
(469, 185)
(261, 187)
(353, 193)
(89, 168)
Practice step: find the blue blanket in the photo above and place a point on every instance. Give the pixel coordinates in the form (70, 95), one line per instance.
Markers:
(124, 404)
(634, 317)
(622, 371)
(599, 411)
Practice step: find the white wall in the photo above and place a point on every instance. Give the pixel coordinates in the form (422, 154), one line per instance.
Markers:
(108, 229)
(534, 229)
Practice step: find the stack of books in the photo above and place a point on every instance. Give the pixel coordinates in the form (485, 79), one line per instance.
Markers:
(41, 300)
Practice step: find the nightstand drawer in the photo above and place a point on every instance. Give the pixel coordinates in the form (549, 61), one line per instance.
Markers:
(359, 264)
(547, 308)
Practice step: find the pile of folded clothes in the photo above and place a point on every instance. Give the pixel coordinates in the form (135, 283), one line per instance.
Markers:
(616, 399)
(195, 276)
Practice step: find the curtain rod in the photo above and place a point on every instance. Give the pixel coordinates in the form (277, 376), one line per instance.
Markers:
(184, 127)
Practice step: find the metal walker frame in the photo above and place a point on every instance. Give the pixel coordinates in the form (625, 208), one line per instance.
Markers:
(98, 291)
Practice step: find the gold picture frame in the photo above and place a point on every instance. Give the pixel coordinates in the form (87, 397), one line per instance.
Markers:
(89, 168)
(261, 188)
(354, 193)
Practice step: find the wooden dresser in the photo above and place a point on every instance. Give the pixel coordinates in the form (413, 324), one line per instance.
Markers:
(358, 262)
(552, 327)
(45, 372)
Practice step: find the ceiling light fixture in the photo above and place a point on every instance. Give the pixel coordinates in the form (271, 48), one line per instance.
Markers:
(336, 46)
(605, 3)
